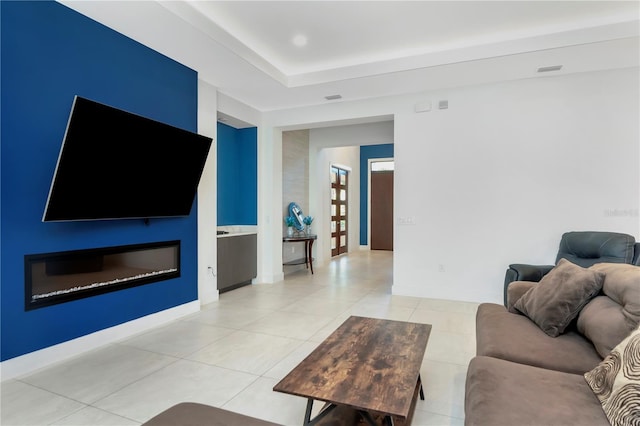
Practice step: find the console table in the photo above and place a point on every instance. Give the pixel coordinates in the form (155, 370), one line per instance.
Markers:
(308, 245)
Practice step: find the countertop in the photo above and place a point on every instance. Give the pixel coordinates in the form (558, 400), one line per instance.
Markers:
(237, 230)
(236, 234)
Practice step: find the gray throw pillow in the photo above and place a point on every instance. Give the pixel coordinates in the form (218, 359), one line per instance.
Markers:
(559, 296)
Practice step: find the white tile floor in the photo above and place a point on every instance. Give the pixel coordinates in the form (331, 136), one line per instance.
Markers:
(235, 350)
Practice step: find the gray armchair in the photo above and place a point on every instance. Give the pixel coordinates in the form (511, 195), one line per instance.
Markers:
(584, 249)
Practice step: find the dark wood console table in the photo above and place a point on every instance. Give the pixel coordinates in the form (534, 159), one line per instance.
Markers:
(308, 246)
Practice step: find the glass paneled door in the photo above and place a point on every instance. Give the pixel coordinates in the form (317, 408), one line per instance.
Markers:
(339, 186)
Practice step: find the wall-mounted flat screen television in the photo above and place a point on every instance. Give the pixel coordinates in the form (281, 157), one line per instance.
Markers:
(117, 165)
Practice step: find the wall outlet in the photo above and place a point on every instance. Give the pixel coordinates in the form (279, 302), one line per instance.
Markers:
(441, 267)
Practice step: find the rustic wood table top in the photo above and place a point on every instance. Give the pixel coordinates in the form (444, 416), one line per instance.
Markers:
(368, 364)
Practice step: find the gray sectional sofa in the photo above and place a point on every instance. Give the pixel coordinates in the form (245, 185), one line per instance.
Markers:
(524, 376)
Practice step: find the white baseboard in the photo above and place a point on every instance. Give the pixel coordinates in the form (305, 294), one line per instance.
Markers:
(268, 279)
(212, 296)
(366, 247)
(36, 360)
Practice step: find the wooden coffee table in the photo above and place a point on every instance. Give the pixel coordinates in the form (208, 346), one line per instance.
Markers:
(368, 365)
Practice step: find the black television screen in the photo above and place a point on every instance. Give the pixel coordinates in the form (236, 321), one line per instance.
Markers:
(115, 165)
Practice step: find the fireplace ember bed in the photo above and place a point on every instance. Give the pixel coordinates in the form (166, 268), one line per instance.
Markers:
(52, 278)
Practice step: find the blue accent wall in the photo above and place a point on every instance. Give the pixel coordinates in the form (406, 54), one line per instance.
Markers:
(49, 54)
(237, 175)
(368, 152)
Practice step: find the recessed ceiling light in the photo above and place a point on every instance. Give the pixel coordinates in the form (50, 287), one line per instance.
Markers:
(300, 40)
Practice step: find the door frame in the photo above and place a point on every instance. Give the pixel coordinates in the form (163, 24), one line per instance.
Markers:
(375, 160)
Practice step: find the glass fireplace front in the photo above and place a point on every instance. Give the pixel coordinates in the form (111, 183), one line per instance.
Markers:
(52, 278)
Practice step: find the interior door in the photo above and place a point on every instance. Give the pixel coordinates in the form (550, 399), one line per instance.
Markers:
(382, 210)
(339, 213)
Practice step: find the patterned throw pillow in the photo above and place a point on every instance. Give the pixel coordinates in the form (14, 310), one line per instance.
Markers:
(616, 382)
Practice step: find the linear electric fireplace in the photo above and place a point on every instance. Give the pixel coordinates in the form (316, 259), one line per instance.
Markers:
(53, 278)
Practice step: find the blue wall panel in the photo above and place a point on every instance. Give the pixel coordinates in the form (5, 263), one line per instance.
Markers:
(237, 175)
(368, 152)
(248, 139)
(227, 175)
(49, 54)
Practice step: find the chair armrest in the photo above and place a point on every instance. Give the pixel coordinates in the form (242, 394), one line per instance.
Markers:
(521, 272)
(529, 272)
(515, 291)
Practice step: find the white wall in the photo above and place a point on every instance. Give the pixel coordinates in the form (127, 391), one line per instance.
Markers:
(500, 175)
(207, 198)
(237, 109)
(269, 205)
(355, 134)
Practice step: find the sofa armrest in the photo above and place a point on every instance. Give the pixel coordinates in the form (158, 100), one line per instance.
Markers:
(522, 272)
(515, 291)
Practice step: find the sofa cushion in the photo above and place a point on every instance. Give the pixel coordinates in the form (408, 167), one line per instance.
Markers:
(499, 392)
(559, 296)
(196, 414)
(609, 318)
(616, 382)
(512, 337)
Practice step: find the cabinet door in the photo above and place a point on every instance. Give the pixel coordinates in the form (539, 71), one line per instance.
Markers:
(237, 260)
(225, 266)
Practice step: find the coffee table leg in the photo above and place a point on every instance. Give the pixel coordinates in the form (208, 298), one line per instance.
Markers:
(421, 389)
(307, 414)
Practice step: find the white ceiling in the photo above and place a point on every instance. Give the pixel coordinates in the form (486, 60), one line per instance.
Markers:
(366, 49)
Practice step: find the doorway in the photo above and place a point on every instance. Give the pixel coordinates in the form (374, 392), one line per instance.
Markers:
(381, 216)
(339, 213)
